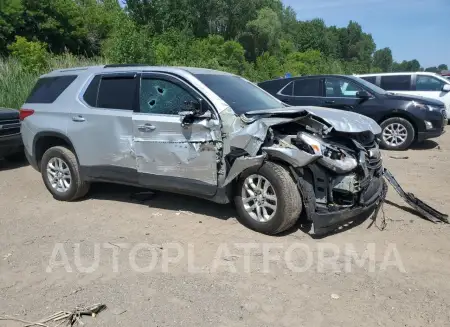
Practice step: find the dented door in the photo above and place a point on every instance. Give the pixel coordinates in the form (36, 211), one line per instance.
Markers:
(171, 156)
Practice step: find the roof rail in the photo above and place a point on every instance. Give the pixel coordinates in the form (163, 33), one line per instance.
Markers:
(123, 65)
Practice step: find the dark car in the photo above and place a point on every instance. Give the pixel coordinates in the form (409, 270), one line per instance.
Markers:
(10, 140)
(403, 118)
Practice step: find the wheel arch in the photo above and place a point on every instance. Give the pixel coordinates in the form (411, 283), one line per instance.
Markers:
(399, 114)
(45, 140)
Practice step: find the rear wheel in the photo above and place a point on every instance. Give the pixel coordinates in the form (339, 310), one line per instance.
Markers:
(397, 134)
(267, 199)
(61, 174)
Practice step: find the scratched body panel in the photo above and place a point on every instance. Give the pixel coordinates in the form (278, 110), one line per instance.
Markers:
(174, 151)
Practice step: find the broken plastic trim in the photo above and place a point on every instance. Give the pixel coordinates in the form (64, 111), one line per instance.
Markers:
(422, 208)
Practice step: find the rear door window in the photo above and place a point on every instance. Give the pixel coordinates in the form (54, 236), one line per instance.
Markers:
(117, 92)
(48, 89)
(396, 82)
(307, 87)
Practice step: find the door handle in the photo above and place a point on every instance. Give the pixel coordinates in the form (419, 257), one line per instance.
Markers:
(329, 102)
(146, 128)
(78, 119)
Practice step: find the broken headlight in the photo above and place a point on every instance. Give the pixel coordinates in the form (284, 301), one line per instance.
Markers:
(333, 158)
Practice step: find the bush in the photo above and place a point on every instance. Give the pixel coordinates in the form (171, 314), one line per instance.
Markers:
(16, 81)
(32, 54)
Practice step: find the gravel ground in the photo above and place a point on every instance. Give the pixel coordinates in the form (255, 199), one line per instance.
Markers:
(177, 261)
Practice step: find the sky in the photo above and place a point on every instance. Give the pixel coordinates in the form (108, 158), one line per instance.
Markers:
(413, 29)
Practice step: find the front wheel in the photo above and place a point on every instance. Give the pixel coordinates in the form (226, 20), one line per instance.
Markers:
(61, 174)
(267, 199)
(397, 134)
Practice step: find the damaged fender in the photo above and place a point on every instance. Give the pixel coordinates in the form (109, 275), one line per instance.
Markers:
(241, 164)
(291, 155)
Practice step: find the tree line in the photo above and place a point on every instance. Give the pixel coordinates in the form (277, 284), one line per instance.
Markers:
(260, 39)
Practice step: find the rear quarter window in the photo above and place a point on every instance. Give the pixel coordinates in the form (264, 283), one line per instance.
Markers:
(48, 89)
(370, 79)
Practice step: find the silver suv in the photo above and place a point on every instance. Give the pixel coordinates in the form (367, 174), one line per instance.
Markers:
(207, 134)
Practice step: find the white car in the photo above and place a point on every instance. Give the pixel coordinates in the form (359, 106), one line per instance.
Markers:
(429, 85)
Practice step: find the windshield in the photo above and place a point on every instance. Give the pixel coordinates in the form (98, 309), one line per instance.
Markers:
(370, 86)
(241, 95)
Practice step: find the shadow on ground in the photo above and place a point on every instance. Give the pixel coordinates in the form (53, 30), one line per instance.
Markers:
(160, 200)
(176, 202)
(425, 145)
(14, 163)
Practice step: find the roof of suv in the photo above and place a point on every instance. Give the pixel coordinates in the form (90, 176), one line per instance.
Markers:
(396, 74)
(125, 68)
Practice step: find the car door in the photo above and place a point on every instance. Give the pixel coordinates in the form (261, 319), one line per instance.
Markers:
(170, 155)
(305, 92)
(101, 129)
(432, 87)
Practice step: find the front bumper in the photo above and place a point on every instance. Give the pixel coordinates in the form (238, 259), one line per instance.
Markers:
(10, 145)
(430, 134)
(327, 208)
(325, 221)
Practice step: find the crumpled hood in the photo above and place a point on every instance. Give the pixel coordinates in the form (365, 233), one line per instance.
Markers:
(340, 120)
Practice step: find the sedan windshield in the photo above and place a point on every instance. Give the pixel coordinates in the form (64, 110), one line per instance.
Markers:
(241, 95)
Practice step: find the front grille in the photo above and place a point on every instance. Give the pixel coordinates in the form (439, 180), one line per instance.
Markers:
(9, 127)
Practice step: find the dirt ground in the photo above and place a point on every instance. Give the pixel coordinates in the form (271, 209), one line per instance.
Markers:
(178, 261)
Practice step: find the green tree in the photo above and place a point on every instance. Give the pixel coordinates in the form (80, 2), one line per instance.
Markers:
(262, 34)
(442, 67)
(383, 59)
(433, 69)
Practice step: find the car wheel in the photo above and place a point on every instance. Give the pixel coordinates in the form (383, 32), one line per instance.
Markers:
(397, 134)
(61, 174)
(267, 199)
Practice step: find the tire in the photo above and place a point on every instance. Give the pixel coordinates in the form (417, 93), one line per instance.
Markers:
(401, 125)
(77, 188)
(288, 199)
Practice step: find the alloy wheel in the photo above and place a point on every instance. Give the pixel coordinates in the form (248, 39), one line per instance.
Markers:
(58, 174)
(395, 134)
(259, 198)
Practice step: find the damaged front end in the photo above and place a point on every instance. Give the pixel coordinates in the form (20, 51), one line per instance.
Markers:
(344, 182)
(339, 173)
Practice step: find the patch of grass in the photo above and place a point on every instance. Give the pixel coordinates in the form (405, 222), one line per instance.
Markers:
(16, 82)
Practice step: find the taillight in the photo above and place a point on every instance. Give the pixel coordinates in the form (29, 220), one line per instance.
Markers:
(24, 113)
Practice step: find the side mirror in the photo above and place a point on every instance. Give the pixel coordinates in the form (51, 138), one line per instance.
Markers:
(446, 88)
(196, 110)
(363, 95)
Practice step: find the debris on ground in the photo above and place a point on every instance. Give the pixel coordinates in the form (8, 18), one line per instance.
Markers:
(184, 212)
(57, 319)
(399, 157)
(335, 296)
(421, 207)
(5, 257)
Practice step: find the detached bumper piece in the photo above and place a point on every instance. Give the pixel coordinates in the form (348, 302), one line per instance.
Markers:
(422, 208)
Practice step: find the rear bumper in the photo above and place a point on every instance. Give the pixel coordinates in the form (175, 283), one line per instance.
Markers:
(31, 160)
(10, 145)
